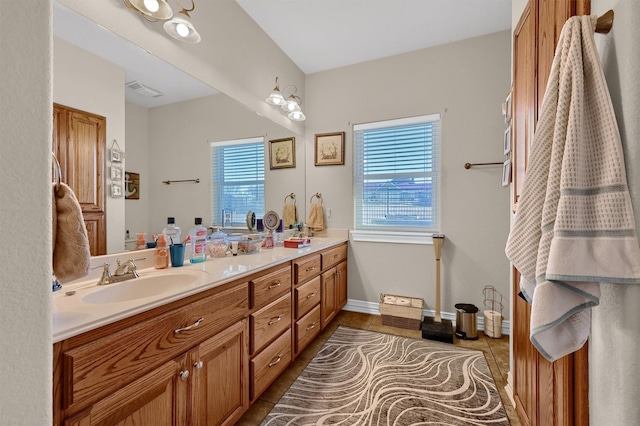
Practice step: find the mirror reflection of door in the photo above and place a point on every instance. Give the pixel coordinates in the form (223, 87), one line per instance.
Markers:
(79, 142)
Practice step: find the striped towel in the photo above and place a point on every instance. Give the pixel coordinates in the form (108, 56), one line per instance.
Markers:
(574, 227)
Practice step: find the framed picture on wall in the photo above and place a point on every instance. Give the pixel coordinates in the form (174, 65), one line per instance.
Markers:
(116, 173)
(282, 153)
(116, 190)
(329, 149)
(507, 141)
(506, 173)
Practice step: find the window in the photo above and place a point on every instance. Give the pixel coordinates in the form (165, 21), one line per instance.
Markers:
(396, 174)
(238, 181)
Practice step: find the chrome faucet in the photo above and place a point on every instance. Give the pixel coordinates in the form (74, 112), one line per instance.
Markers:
(124, 271)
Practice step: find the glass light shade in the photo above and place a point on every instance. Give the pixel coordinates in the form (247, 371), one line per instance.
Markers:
(297, 116)
(291, 105)
(275, 98)
(162, 9)
(181, 28)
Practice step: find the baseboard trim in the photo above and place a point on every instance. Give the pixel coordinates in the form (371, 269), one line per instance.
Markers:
(372, 308)
(509, 390)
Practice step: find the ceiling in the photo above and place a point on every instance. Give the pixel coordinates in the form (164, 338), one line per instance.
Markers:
(317, 35)
(323, 34)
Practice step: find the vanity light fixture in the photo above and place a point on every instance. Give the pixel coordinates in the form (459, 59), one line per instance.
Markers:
(178, 25)
(290, 105)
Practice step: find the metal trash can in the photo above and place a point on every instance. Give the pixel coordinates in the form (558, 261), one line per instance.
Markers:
(466, 321)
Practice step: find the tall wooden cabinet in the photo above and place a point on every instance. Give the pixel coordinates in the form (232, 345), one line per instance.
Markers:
(79, 142)
(545, 393)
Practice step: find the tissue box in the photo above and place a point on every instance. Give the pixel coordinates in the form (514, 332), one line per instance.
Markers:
(401, 311)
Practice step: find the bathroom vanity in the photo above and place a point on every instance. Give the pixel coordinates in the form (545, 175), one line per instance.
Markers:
(199, 352)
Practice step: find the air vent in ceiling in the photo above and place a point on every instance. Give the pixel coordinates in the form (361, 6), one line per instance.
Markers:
(143, 90)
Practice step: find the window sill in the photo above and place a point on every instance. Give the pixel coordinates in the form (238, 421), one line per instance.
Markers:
(392, 237)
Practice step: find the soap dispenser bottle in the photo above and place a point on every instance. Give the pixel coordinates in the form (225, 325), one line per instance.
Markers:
(198, 237)
(162, 253)
(173, 231)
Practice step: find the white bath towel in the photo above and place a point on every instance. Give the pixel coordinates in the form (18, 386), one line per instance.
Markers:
(574, 227)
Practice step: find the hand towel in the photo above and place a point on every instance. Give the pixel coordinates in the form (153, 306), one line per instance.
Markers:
(316, 217)
(71, 252)
(289, 215)
(574, 227)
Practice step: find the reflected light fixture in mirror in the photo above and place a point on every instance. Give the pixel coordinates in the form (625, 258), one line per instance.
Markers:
(178, 26)
(290, 105)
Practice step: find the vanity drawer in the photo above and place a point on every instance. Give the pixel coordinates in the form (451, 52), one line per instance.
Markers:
(98, 368)
(269, 322)
(307, 296)
(270, 363)
(307, 328)
(269, 287)
(334, 256)
(306, 268)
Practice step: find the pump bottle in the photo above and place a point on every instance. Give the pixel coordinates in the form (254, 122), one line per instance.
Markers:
(198, 237)
(173, 231)
(162, 253)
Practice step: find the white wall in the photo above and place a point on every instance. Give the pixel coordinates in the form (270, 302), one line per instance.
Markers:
(235, 56)
(179, 148)
(25, 199)
(137, 161)
(614, 364)
(89, 83)
(467, 83)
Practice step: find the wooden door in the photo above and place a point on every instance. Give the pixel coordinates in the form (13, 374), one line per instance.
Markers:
(158, 398)
(79, 142)
(328, 303)
(220, 393)
(545, 393)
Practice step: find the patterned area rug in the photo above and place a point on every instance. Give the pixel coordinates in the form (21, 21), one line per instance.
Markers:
(362, 377)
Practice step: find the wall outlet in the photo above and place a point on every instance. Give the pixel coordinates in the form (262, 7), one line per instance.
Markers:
(329, 215)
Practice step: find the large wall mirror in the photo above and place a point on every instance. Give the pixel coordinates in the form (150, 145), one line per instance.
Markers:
(163, 138)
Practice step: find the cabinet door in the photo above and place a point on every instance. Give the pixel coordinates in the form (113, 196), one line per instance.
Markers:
(221, 377)
(341, 285)
(159, 398)
(329, 299)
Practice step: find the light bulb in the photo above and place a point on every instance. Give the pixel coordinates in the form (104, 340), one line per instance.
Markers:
(182, 30)
(152, 5)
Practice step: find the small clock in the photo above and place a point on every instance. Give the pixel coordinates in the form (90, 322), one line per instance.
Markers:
(271, 220)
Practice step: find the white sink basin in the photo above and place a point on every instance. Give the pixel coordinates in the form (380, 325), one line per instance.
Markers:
(144, 286)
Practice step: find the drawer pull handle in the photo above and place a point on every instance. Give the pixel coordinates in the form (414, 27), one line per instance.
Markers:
(311, 326)
(272, 363)
(198, 365)
(275, 319)
(274, 285)
(310, 295)
(194, 325)
(335, 256)
(310, 268)
(184, 374)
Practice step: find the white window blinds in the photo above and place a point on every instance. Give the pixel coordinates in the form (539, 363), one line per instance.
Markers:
(237, 170)
(396, 174)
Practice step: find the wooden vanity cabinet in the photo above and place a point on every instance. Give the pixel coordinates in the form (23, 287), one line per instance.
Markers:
(164, 366)
(334, 282)
(308, 295)
(270, 327)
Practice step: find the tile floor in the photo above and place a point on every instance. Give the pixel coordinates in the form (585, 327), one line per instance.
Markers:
(496, 352)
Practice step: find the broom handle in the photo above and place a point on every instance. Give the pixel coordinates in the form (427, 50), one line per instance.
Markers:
(438, 241)
(438, 318)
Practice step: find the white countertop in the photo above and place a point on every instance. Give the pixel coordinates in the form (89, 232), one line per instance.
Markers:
(72, 316)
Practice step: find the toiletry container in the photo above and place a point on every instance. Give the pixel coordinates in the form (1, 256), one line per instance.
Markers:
(173, 231)
(198, 237)
(141, 244)
(162, 252)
